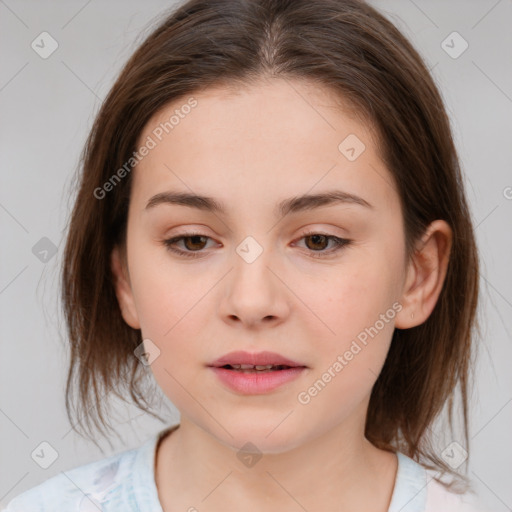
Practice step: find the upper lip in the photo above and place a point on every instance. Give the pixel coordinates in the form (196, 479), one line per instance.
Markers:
(254, 358)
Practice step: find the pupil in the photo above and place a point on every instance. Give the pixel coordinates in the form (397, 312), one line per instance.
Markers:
(194, 238)
(315, 237)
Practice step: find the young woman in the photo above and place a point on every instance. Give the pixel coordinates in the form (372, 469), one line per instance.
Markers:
(271, 218)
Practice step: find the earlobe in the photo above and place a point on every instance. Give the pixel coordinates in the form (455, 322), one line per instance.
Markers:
(426, 275)
(123, 289)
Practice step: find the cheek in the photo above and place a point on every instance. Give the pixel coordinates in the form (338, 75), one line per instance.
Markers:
(355, 297)
(357, 309)
(167, 296)
(172, 307)
(171, 313)
(351, 352)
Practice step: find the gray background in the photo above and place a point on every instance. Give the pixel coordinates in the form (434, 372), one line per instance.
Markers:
(47, 107)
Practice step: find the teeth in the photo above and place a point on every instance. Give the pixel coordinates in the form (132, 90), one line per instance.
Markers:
(252, 366)
(258, 367)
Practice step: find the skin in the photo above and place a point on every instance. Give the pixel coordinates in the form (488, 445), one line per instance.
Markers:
(251, 148)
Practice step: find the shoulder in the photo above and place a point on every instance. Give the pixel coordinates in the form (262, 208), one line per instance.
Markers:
(441, 499)
(82, 488)
(418, 490)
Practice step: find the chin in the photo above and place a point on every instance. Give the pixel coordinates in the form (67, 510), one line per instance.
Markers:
(269, 435)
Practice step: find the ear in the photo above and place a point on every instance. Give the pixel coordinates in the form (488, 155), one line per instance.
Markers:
(425, 275)
(123, 288)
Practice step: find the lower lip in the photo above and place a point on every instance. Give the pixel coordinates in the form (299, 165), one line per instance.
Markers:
(257, 383)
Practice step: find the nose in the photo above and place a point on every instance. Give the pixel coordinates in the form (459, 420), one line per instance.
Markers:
(254, 293)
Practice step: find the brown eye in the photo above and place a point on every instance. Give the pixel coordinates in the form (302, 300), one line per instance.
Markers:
(318, 242)
(192, 243)
(196, 243)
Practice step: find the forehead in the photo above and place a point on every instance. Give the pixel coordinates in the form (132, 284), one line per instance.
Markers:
(281, 136)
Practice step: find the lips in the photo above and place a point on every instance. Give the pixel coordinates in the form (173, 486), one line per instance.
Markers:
(259, 373)
(255, 362)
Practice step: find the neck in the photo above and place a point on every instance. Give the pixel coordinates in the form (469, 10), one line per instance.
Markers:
(332, 471)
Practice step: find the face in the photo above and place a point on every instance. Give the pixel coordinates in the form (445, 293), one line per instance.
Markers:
(319, 283)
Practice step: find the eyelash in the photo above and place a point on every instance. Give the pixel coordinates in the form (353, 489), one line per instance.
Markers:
(339, 244)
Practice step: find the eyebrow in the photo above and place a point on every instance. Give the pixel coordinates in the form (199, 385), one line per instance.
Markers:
(285, 207)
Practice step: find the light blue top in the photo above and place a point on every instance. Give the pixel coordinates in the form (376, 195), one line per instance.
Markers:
(126, 482)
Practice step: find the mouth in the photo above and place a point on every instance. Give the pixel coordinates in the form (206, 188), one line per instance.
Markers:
(256, 373)
(249, 368)
(255, 362)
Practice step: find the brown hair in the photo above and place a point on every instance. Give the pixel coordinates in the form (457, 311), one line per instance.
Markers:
(344, 45)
